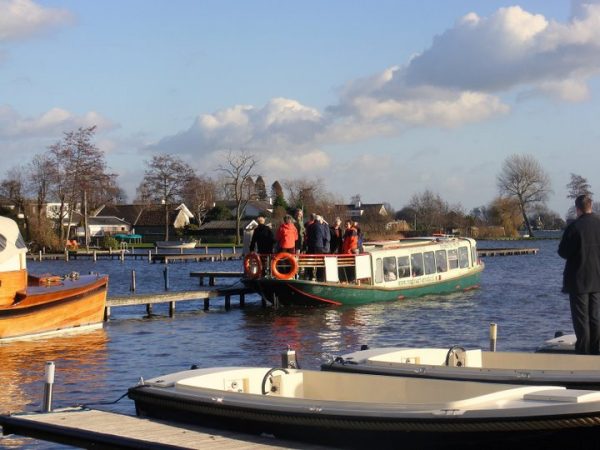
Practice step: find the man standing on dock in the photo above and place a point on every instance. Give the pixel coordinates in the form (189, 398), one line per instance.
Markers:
(580, 246)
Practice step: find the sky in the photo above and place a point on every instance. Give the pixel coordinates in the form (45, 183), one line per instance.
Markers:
(384, 99)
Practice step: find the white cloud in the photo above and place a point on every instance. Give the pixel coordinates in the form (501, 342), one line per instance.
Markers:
(20, 19)
(50, 124)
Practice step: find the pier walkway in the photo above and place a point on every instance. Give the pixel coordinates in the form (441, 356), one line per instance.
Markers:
(90, 428)
(506, 251)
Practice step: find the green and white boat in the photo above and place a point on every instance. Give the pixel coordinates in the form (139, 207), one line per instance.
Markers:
(385, 271)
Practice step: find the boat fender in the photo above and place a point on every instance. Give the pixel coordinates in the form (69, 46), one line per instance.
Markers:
(289, 359)
(268, 377)
(290, 259)
(455, 356)
(252, 265)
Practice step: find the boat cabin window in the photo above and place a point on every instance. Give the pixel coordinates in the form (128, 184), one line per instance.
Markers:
(463, 257)
(378, 270)
(403, 266)
(2, 242)
(453, 259)
(473, 255)
(416, 262)
(440, 260)
(389, 269)
(429, 260)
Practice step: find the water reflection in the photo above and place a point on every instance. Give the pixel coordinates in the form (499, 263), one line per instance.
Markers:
(80, 362)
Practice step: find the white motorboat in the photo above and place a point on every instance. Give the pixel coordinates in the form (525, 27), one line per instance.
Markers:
(176, 244)
(561, 343)
(357, 410)
(458, 363)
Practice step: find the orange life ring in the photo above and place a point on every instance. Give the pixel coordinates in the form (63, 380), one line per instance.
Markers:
(252, 265)
(291, 260)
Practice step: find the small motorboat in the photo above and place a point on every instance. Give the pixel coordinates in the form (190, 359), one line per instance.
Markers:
(560, 343)
(176, 244)
(458, 363)
(34, 306)
(358, 410)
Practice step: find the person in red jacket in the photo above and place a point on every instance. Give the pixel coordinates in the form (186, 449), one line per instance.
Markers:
(287, 235)
(350, 243)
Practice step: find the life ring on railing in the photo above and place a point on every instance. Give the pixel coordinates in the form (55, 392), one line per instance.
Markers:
(290, 259)
(252, 265)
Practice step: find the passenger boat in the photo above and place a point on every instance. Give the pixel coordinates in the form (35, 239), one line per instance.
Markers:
(386, 271)
(39, 305)
(176, 244)
(356, 410)
(457, 363)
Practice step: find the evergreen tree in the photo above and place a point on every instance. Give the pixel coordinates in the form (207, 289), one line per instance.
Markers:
(260, 188)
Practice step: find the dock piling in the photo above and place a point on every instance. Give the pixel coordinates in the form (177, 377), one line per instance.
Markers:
(166, 275)
(48, 383)
(493, 336)
(132, 281)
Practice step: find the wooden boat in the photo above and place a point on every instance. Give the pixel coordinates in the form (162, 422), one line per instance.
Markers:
(176, 244)
(386, 271)
(356, 410)
(40, 305)
(457, 363)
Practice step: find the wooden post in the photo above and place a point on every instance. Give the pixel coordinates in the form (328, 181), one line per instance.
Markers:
(66, 255)
(493, 336)
(150, 255)
(201, 281)
(206, 304)
(233, 250)
(122, 255)
(221, 255)
(242, 300)
(149, 309)
(171, 309)
(211, 280)
(133, 281)
(95, 257)
(181, 251)
(206, 249)
(228, 302)
(40, 255)
(106, 313)
(166, 275)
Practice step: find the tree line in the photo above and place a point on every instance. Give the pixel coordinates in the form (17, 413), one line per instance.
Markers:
(73, 174)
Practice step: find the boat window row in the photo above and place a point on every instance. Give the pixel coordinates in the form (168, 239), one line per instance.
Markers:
(392, 268)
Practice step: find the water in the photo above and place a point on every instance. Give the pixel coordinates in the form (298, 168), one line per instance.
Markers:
(519, 293)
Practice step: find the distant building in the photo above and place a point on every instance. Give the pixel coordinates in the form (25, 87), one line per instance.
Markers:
(358, 210)
(253, 207)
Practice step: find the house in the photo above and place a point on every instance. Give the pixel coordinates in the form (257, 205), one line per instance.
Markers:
(221, 230)
(253, 207)
(147, 220)
(101, 226)
(358, 210)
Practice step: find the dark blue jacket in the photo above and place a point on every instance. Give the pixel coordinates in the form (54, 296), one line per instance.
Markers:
(580, 246)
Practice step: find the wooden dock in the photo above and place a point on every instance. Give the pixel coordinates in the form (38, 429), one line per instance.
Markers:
(178, 296)
(506, 251)
(213, 275)
(90, 428)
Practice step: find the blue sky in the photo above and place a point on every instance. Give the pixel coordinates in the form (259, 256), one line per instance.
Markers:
(384, 99)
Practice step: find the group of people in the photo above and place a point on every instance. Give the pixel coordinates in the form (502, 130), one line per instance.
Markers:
(315, 236)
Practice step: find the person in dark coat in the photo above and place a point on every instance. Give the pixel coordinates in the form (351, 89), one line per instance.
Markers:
(262, 238)
(337, 236)
(580, 246)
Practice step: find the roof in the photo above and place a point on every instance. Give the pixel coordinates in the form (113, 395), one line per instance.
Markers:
(106, 220)
(128, 213)
(261, 205)
(222, 225)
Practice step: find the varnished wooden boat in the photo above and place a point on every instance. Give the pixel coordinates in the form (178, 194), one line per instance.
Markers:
(38, 305)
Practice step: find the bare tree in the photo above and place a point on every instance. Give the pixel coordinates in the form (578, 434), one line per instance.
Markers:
(430, 211)
(522, 177)
(164, 181)
(12, 187)
(199, 195)
(578, 186)
(80, 173)
(305, 194)
(236, 170)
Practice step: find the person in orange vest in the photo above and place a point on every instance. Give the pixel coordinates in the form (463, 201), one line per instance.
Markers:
(350, 243)
(287, 235)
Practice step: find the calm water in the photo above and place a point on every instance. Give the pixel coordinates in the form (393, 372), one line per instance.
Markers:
(519, 293)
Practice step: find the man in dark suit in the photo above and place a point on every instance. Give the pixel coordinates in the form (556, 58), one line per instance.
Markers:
(580, 246)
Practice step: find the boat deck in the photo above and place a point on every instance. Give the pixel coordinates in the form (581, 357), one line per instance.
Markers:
(87, 428)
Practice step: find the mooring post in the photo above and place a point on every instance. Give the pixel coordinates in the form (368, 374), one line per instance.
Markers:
(132, 288)
(166, 275)
(493, 336)
(171, 309)
(122, 255)
(66, 255)
(48, 382)
(106, 313)
(242, 300)
(233, 251)
(221, 254)
(95, 256)
(206, 249)
(149, 255)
